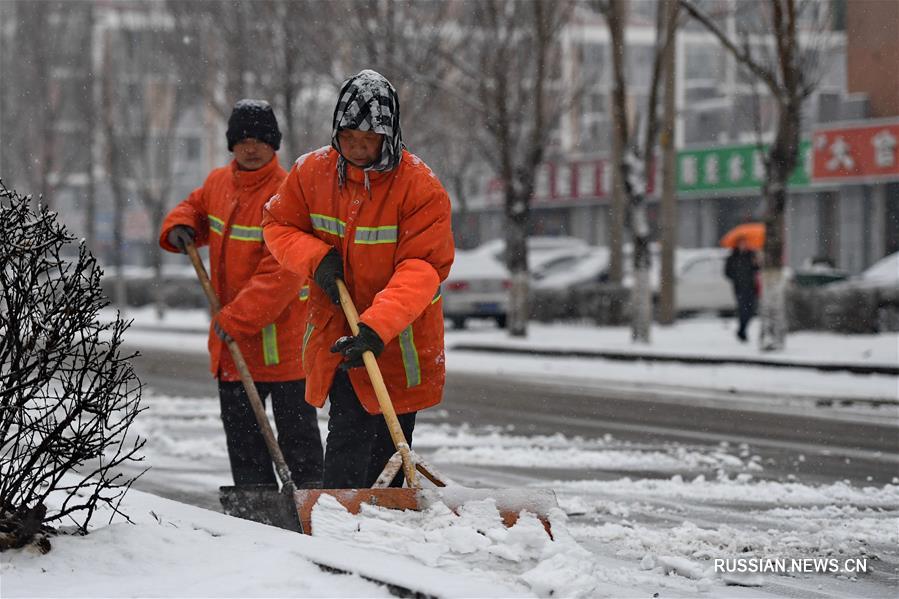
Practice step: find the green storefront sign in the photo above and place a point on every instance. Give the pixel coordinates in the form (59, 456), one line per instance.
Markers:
(732, 168)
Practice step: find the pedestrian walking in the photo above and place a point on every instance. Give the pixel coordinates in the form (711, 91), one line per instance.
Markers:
(742, 270)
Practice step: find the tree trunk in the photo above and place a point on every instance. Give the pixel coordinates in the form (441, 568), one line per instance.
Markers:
(772, 311)
(118, 249)
(615, 19)
(616, 220)
(668, 283)
(157, 215)
(94, 92)
(789, 84)
(517, 263)
(782, 159)
(288, 83)
(641, 292)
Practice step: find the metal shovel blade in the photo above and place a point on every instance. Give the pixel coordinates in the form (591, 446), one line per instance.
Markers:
(261, 503)
(509, 502)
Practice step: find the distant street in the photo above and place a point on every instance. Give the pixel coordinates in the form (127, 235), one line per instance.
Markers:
(807, 441)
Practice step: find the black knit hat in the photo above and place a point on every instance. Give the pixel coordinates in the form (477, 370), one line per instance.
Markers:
(253, 119)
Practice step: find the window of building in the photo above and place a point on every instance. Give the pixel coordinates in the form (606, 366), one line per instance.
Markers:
(704, 63)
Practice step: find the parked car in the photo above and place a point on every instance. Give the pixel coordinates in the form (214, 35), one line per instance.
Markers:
(564, 272)
(864, 304)
(819, 271)
(477, 287)
(701, 285)
(541, 250)
(883, 273)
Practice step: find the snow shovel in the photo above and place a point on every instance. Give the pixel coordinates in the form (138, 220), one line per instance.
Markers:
(261, 503)
(509, 502)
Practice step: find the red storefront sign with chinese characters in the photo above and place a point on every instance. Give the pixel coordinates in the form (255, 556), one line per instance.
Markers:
(863, 153)
(578, 182)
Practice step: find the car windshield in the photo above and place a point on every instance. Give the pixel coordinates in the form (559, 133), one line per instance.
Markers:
(886, 270)
(555, 265)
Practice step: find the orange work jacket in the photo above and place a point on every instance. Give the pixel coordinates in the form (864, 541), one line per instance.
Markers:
(264, 305)
(397, 247)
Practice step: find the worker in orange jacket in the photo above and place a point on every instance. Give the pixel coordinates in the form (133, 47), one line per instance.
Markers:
(264, 304)
(369, 212)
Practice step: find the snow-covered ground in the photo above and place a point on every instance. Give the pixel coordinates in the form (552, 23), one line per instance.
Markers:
(614, 536)
(175, 550)
(650, 521)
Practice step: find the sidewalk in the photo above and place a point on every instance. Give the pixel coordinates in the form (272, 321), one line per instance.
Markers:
(694, 358)
(698, 341)
(707, 342)
(633, 356)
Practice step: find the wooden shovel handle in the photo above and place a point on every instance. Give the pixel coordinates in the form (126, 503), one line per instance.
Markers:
(245, 377)
(377, 381)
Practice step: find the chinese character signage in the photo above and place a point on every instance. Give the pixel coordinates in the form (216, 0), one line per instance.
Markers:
(732, 168)
(862, 153)
(583, 181)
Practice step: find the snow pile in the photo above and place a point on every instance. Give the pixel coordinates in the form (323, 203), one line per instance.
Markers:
(767, 520)
(475, 542)
(174, 550)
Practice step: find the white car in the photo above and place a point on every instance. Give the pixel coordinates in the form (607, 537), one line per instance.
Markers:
(478, 283)
(883, 273)
(564, 272)
(701, 284)
(477, 287)
(541, 249)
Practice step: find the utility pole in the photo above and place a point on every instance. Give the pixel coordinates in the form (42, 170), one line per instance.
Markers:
(667, 303)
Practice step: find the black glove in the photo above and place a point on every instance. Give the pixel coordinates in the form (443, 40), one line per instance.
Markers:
(353, 347)
(329, 270)
(221, 332)
(180, 236)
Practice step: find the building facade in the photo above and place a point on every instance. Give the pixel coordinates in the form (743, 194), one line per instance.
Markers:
(850, 220)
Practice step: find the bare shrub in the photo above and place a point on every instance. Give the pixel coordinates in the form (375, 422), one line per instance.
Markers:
(67, 393)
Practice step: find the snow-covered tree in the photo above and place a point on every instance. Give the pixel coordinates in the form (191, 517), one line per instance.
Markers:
(632, 158)
(789, 71)
(504, 76)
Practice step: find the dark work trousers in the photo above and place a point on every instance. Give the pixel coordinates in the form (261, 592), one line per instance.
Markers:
(297, 430)
(359, 444)
(746, 300)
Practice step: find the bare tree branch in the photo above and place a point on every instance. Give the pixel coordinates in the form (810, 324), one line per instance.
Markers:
(67, 394)
(742, 55)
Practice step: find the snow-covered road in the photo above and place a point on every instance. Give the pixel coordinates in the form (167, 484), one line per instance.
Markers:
(646, 510)
(649, 516)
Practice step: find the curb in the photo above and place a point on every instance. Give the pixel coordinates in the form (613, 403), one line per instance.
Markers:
(699, 360)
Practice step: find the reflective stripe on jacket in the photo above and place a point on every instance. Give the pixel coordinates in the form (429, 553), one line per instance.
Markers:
(264, 308)
(397, 246)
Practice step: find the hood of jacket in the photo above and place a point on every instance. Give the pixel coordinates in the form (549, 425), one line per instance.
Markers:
(368, 102)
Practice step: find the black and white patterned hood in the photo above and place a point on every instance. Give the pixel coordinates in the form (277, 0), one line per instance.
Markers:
(368, 102)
